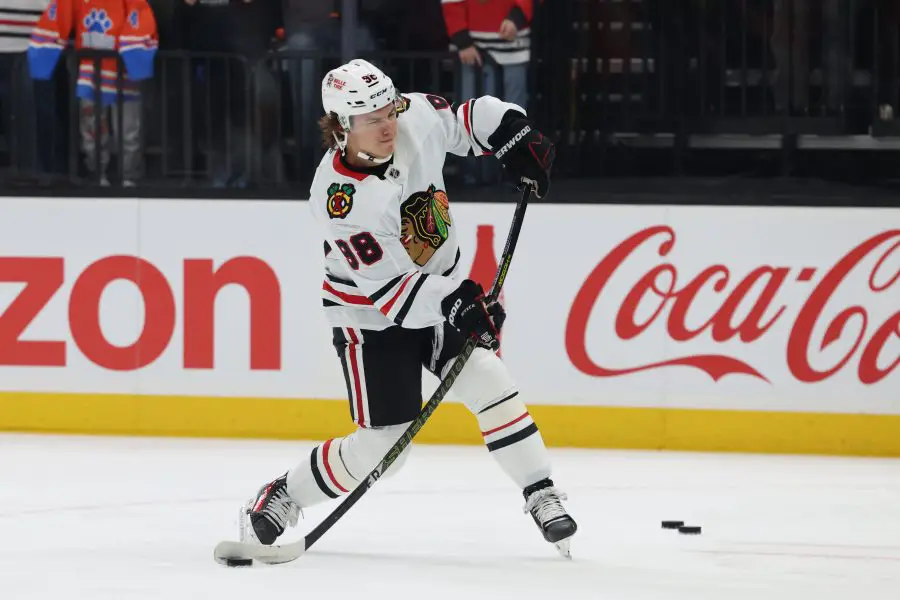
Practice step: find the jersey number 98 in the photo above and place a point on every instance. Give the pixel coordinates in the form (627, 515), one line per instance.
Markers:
(366, 249)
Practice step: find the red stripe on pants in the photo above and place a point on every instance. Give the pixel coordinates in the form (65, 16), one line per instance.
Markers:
(357, 383)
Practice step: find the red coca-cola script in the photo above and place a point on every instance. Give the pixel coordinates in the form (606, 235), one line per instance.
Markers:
(661, 286)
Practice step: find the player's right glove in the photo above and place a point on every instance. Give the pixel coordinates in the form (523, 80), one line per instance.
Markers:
(524, 152)
(466, 311)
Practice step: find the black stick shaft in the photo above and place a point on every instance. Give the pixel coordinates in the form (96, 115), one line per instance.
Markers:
(406, 439)
(511, 240)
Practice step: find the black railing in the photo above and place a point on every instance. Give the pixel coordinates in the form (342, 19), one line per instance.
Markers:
(216, 120)
(634, 87)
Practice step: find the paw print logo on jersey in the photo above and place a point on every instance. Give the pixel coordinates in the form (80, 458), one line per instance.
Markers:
(97, 24)
(97, 21)
(425, 223)
(340, 200)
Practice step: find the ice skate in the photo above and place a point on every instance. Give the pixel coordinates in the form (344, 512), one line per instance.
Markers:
(542, 500)
(265, 517)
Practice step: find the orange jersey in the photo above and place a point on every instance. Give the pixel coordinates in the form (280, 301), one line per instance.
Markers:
(125, 26)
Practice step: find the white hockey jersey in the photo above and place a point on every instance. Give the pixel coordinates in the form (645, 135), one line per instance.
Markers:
(391, 250)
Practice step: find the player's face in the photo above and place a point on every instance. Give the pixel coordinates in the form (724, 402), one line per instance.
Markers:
(375, 132)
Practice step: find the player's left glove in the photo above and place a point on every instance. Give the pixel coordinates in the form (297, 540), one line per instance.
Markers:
(526, 153)
(466, 311)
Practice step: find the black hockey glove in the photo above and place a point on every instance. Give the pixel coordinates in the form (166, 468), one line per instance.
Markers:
(466, 311)
(524, 151)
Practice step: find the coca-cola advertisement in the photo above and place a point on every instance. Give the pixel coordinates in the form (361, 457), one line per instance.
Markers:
(705, 307)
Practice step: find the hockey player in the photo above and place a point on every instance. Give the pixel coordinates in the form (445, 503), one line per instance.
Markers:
(394, 296)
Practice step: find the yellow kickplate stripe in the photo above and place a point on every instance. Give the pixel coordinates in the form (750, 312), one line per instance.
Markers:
(560, 426)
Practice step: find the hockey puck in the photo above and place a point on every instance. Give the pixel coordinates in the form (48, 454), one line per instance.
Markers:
(672, 524)
(689, 529)
(238, 562)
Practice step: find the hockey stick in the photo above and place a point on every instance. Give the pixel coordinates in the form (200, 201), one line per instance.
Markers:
(242, 554)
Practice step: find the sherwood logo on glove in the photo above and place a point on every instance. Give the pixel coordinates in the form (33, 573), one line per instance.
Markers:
(508, 145)
(454, 310)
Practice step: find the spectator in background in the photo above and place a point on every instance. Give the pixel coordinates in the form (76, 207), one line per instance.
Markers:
(126, 26)
(888, 59)
(790, 47)
(227, 86)
(493, 39)
(423, 27)
(244, 27)
(17, 20)
(496, 29)
(314, 26)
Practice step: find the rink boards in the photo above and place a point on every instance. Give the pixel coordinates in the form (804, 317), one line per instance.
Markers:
(673, 327)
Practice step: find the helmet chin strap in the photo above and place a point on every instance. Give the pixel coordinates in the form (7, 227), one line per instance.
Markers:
(376, 160)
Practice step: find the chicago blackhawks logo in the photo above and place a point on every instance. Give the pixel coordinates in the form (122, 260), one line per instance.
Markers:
(403, 105)
(340, 200)
(424, 223)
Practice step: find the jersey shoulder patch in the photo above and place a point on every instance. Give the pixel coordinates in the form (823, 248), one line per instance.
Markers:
(340, 200)
(345, 201)
(403, 105)
(436, 102)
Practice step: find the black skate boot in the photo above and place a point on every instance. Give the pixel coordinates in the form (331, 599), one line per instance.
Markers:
(267, 515)
(542, 500)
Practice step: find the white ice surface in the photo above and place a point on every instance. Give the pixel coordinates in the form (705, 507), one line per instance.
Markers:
(130, 518)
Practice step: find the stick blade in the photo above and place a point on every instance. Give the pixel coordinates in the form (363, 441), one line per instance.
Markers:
(271, 555)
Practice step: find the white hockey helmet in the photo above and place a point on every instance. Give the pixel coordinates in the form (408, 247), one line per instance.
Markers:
(356, 88)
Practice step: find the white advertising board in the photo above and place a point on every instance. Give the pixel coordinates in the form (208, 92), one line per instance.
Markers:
(657, 306)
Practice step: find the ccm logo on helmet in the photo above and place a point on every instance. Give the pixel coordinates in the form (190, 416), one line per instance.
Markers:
(376, 94)
(508, 145)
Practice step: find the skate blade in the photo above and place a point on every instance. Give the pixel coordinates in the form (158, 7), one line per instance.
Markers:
(270, 555)
(564, 548)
